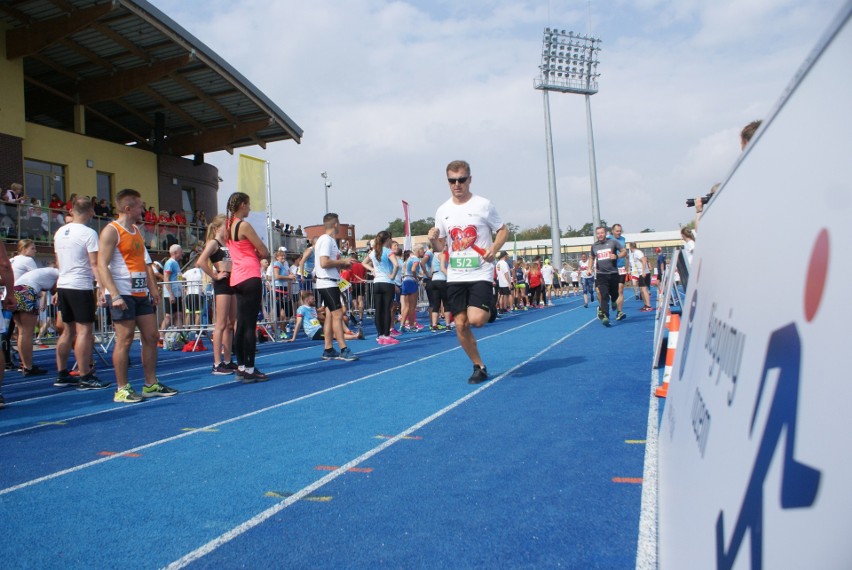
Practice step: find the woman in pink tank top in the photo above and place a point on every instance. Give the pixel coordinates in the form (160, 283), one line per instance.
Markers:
(246, 252)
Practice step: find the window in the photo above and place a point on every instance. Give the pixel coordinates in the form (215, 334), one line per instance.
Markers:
(41, 179)
(105, 187)
(189, 203)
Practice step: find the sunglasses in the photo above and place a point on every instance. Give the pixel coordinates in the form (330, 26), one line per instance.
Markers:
(461, 180)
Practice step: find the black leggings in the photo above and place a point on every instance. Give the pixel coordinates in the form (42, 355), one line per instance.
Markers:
(382, 302)
(248, 294)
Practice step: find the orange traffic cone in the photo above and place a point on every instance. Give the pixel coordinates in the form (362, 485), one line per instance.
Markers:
(674, 327)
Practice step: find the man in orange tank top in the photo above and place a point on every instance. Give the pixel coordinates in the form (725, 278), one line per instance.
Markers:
(126, 273)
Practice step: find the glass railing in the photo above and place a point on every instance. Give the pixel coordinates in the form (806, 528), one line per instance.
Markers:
(38, 223)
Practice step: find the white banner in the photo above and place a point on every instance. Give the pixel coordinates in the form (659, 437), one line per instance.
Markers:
(755, 462)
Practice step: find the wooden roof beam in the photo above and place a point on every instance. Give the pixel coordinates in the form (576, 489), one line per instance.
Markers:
(36, 36)
(127, 80)
(214, 139)
(166, 104)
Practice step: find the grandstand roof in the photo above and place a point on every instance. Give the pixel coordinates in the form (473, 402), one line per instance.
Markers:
(129, 64)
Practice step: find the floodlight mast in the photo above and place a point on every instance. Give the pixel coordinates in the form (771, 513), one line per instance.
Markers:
(569, 64)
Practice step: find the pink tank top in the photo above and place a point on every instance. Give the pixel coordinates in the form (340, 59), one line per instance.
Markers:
(245, 263)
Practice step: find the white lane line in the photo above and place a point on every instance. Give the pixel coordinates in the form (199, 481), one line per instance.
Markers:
(121, 408)
(278, 507)
(181, 435)
(646, 549)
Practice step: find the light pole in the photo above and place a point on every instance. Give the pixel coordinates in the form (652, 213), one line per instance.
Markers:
(569, 64)
(327, 185)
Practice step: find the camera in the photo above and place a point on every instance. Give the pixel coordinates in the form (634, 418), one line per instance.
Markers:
(690, 202)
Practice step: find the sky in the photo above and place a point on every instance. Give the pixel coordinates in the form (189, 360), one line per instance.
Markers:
(388, 92)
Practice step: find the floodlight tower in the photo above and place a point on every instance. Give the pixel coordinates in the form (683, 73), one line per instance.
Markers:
(327, 184)
(569, 64)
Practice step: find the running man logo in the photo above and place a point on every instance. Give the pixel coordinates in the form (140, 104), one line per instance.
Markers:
(799, 482)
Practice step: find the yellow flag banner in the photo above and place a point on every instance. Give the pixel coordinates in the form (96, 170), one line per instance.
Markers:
(251, 180)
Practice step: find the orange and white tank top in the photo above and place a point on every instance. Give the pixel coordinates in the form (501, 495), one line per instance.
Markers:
(129, 263)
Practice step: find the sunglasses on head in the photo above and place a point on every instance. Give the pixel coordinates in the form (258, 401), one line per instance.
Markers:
(461, 180)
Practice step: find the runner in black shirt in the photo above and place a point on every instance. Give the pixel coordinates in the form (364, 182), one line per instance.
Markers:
(605, 251)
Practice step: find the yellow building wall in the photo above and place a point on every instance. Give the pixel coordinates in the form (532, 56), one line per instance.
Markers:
(130, 167)
(11, 92)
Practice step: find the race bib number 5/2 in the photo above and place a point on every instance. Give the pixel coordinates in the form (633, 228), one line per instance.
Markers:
(462, 262)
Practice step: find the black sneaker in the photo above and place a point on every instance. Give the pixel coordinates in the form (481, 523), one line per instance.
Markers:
(614, 307)
(64, 379)
(330, 354)
(252, 377)
(233, 366)
(479, 375)
(91, 382)
(620, 316)
(34, 371)
(222, 369)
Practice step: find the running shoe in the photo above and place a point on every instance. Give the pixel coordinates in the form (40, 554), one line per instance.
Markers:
(586, 306)
(441, 327)
(419, 327)
(255, 376)
(232, 366)
(222, 369)
(646, 309)
(92, 382)
(330, 354)
(126, 395)
(361, 334)
(389, 340)
(157, 389)
(620, 316)
(480, 374)
(605, 321)
(34, 371)
(381, 339)
(64, 379)
(348, 355)
(434, 329)
(394, 332)
(614, 307)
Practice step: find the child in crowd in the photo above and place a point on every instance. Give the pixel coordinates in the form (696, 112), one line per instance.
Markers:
(306, 315)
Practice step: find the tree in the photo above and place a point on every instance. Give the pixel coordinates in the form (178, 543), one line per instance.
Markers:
(588, 230)
(538, 232)
(648, 231)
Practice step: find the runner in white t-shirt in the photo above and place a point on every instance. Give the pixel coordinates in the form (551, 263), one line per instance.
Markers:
(76, 247)
(464, 224)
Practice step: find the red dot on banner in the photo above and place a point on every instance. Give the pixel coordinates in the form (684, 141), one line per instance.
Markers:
(816, 275)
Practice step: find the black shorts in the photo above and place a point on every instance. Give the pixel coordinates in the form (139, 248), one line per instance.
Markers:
(193, 303)
(330, 298)
(503, 290)
(622, 278)
(136, 307)
(172, 308)
(645, 280)
(462, 295)
(357, 290)
(222, 287)
(76, 305)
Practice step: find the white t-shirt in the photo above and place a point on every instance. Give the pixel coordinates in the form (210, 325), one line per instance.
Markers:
(467, 228)
(637, 267)
(22, 264)
(326, 246)
(194, 279)
(502, 270)
(574, 276)
(584, 269)
(73, 243)
(41, 279)
(688, 248)
(547, 274)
